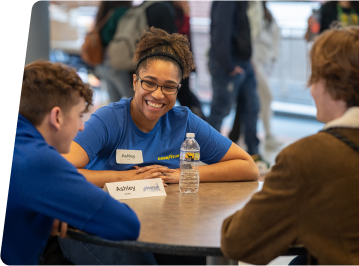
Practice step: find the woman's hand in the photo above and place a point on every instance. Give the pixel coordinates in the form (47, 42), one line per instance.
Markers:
(175, 175)
(237, 70)
(158, 171)
(172, 177)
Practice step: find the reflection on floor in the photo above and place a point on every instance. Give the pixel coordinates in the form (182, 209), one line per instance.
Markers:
(286, 129)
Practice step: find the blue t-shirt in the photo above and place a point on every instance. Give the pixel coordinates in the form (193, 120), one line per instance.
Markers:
(111, 128)
(44, 186)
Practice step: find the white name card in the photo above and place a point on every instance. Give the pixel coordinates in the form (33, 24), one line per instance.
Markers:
(136, 189)
(129, 156)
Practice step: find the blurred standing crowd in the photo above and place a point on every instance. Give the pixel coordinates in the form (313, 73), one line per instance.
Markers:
(245, 43)
(252, 42)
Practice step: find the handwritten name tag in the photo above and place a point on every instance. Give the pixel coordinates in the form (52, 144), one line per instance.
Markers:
(129, 156)
(136, 189)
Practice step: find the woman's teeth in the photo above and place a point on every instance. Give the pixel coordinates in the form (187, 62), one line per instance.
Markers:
(154, 105)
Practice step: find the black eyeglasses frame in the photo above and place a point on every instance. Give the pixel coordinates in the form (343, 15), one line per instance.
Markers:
(178, 87)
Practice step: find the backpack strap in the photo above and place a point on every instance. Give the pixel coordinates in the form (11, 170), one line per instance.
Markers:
(344, 139)
(104, 20)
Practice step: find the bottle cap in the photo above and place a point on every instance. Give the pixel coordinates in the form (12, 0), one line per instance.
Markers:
(190, 135)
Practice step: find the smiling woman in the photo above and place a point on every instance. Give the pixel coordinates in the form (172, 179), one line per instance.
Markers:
(150, 128)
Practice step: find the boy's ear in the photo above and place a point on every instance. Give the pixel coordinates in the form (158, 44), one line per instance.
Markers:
(56, 117)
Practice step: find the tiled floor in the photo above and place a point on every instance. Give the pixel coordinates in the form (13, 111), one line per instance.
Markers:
(287, 129)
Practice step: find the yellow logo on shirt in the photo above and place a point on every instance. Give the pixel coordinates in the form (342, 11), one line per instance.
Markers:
(171, 156)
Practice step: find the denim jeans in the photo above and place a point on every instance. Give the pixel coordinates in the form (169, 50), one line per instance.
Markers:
(81, 253)
(225, 94)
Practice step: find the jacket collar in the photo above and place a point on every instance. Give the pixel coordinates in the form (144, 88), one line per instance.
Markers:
(350, 119)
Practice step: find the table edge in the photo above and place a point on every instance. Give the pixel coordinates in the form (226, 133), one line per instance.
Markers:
(163, 248)
(145, 246)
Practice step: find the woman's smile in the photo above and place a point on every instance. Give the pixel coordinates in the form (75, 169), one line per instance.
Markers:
(155, 106)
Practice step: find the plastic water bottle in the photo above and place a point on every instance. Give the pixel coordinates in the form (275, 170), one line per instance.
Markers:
(189, 161)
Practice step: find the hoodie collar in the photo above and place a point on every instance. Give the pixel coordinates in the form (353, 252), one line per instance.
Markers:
(350, 119)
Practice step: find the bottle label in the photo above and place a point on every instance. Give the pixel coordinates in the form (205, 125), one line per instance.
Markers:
(191, 156)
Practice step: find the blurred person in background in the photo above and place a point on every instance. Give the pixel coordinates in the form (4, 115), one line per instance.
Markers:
(116, 82)
(332, 12)
(159, 15)
(266, 45)
(232, 71)
(185, 96)
(310, 196)
(266, 37)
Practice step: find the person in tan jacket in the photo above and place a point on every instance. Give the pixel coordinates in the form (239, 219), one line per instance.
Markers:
(311, 197)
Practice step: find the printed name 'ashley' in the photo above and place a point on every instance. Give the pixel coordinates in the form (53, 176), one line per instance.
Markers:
(124, 188)
(128, 156)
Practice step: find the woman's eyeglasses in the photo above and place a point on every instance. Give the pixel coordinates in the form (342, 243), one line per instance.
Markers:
(151, 86)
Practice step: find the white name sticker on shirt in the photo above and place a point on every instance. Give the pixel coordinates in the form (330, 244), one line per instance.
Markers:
(128, 157)
(136, 189)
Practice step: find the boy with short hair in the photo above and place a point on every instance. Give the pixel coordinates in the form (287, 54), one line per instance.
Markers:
(43, 185)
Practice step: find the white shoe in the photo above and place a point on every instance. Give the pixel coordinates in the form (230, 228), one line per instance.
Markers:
(271, 142)
(263, 167)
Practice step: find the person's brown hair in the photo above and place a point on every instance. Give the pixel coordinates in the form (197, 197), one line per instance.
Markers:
(157, 41)
(335, 60)
(46, 85)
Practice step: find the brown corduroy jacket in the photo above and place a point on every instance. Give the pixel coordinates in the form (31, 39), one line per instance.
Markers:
(310, 197)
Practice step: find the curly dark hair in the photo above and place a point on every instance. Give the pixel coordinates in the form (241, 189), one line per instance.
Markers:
(155, 40)
(46, 85)
(335, 60)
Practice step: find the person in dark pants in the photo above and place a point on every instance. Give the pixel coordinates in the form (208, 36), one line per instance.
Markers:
(232, 71)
